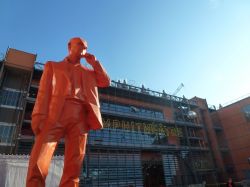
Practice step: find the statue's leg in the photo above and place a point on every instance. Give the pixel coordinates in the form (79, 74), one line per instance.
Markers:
(41, 155)
(75, 143)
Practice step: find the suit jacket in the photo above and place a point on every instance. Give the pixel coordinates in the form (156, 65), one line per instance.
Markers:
(55, 85)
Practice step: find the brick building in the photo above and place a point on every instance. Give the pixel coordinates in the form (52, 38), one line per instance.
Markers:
(235, 121)
(149, 138)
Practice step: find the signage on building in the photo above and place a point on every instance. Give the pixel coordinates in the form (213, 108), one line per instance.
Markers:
(201, 164)
(153, 128)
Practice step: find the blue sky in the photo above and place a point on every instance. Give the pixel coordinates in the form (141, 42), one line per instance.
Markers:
(204, 44)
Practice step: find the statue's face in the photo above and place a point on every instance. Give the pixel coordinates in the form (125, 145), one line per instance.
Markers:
(77, 47)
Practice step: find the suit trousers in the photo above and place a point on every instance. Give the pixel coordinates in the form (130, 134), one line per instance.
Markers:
(71, 127)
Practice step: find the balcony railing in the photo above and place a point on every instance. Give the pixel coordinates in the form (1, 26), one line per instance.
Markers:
(147, 91)
(196, 137)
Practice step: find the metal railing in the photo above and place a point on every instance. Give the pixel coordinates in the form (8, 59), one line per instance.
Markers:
(147, 91)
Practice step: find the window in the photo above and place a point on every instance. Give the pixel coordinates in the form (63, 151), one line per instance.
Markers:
(6, 133)
(9, 97)
(246, 111)
(113, 169)
(131, 111)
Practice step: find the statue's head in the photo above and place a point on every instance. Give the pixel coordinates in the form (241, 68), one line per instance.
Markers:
(77, 46)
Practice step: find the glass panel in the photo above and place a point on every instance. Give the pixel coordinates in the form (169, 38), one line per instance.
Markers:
(8, 97)
(131, 110)
(114, 169)
(6, 133)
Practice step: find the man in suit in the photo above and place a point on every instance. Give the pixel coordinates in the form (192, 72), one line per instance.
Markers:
(67, 106)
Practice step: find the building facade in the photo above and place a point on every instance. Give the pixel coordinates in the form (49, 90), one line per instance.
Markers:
(149, 138)
(235, 120)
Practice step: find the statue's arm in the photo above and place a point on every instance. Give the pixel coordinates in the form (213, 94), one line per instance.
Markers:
(40, 110)
(102, 77)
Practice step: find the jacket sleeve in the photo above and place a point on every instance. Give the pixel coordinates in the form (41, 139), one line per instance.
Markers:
(44, 93)
(102, 77)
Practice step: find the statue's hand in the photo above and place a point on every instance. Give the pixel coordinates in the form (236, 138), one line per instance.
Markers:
(91, 59)
(37, 124)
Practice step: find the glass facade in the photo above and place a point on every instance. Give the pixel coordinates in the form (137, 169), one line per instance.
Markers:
(176, 172)
(185, 167)
(130, 133)
(9, 102)
(130, 110)
(113, 168)
(118, 165)
(6, 133)
(9, 97)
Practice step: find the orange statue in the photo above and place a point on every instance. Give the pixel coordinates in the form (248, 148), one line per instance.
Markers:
(67, 106)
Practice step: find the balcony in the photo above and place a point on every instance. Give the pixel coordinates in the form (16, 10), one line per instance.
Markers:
(27, 121)
(189, 124)
(34, 85)
(198, 148)
(147, 92)
(30, 99)
(196, 137)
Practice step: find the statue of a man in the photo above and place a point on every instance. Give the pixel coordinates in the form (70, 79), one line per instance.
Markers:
(67, 106)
